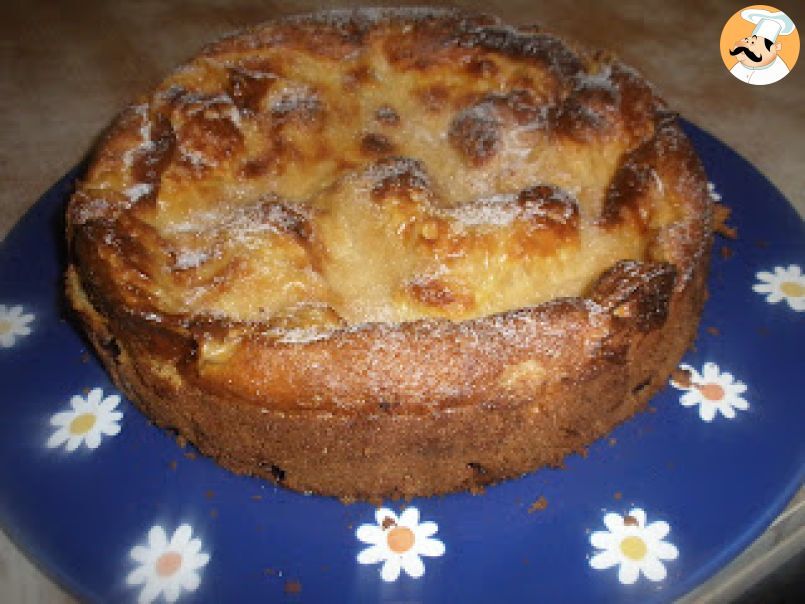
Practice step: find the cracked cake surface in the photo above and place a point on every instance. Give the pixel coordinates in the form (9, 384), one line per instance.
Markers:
(387, 252)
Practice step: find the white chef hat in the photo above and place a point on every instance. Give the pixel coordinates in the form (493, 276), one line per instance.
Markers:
(769, 25)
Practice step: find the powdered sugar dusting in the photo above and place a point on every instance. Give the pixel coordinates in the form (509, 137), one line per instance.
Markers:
(600, 80)
(239, 225)
(504, 209)
(711, 191)
(138, 191)
(498, 210)
(144, 131)
(187, 258)
(295, 99)
(303, 335)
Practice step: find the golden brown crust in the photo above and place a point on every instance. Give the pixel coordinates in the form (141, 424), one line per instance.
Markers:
(393, 252)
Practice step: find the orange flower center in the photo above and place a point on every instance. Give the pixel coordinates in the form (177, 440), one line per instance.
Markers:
(82, 424)
(712, 392)
(792, 289)
(168, 563)
(400, 539)
(633, 548)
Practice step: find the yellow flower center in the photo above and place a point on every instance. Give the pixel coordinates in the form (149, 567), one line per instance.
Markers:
(634, 548)
(712, 392)
(82, 424)
(400, 539)
(168, 563)
(5, 327)
(792, 289)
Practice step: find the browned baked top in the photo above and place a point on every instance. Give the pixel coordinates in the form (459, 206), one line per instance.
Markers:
(325, 174)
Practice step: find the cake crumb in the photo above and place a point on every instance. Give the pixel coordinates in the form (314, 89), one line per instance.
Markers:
(269, 571)
(293, 587)
(720, 217)
(681, 377)
(173, 465)
(256, 497)
(714, 331)
(214, 513)
(630, 521)
(652, 409)
(539, 505)
(181, 441)
(726, 252)
(613, 441)
(85, 358)
(617, 496)
(190, 455)
(209, 494)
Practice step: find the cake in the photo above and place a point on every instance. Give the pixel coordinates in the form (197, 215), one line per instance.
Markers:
(391, 253)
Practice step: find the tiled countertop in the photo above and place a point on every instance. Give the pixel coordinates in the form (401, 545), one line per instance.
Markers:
(67, 67)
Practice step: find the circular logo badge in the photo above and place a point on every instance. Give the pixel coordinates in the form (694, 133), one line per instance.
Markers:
(759, 45)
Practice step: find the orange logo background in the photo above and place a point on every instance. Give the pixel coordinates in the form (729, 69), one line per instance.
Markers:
(737, 27)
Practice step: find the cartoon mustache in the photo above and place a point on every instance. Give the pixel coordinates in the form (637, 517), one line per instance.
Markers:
(752, 56)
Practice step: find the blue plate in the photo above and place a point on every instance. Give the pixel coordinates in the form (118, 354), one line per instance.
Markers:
(649, 513)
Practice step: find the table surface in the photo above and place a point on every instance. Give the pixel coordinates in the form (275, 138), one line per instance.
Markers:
(67, 67)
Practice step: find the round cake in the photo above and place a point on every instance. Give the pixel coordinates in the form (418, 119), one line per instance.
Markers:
(384, 253)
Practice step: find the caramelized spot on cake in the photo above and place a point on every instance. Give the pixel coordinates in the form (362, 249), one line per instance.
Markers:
(374, 144)
(358, 75)
(248, 88)
(433, 97)
(397, 175)
(209, 130)
(481, 67)
(254, 168)
(436, 293)
(629, 185)
(475, 133)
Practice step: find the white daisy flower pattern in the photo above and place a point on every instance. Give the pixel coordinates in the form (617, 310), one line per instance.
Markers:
(713, 391)
(399, 542)
(711, 191)
(13, 324)
(633, 545)
(167, 567)
(86, 422)
(783, 284)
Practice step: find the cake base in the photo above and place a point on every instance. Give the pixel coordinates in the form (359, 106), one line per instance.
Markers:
(392, 455)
